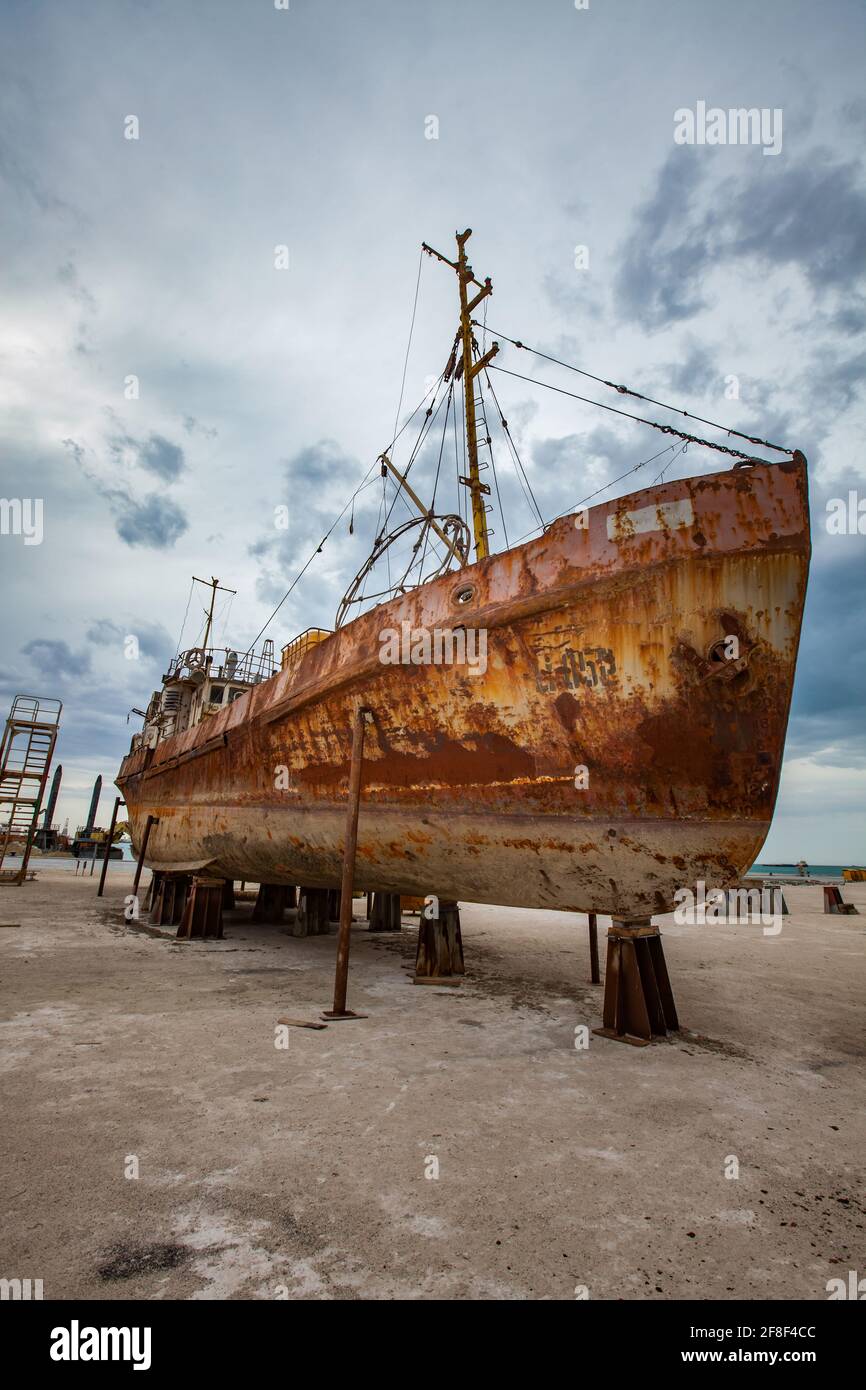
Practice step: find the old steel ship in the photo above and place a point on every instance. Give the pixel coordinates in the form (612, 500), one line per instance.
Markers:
(623, 737)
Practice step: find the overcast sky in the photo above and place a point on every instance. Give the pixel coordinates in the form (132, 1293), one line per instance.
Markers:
(308, 128)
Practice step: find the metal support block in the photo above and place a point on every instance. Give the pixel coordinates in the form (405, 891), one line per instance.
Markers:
(638, 1000)
(312, 917)
(152, 891)
(439, 959)
(168, 895)
(386, 913)
(203, 912)
(833, 902)
(270, 904)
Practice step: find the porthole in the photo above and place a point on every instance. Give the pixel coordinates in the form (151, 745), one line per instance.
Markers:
(465, 594)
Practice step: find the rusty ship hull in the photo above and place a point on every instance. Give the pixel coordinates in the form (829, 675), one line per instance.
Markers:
(617, 747)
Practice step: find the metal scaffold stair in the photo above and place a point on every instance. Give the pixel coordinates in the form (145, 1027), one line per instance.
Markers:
(25, 759)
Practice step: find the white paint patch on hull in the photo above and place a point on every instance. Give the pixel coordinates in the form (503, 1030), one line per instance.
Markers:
(664, 516)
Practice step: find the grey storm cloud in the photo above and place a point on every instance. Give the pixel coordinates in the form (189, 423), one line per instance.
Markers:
(850, 318)
(664, 255)
(154, 642)
(839, 380)
(827, 707)
(161, 457)
(696, 373)
(157, 454)
(326, 476)
(155, 522)
(55, 659)
(324, 472)
(320, 462)
(810, 214)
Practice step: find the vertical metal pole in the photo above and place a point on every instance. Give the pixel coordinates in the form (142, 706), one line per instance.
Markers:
(151, 821)
(341, 976)
(479, 517)
(593, 948)
(118, 802)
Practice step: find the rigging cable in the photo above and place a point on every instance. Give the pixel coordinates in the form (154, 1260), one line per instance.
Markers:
(409, 344)
(577, 505)
(185, 616)
(527, 489)
(660, 477)
(223, 617)
(663, 429)
(460, 490)
(436, 479)
(387, 514)
(403, 379)
(303, 571)
(626, 391)
(426, 427)
(363, 483)
(463, 432)
(643, 463)
(403, 383)
(412, 514)
(488, 441)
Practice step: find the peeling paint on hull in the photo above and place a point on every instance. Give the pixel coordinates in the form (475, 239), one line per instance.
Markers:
(603, 651)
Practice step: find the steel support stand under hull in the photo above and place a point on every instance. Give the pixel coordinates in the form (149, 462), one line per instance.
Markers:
(439, 959)
(203, 911)
(638, 1000)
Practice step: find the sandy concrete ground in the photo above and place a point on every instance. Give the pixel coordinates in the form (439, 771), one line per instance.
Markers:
(301, 1172)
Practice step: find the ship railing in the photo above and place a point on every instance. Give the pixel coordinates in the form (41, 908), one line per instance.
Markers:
(221, 663)
(34, 709)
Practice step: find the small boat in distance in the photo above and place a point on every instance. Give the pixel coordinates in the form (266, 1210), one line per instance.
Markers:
(590, 720)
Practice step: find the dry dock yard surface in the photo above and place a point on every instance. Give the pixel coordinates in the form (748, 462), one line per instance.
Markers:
(308, 1172)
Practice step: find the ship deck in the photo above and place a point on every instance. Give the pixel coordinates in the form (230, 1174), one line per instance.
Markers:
(305, 1168)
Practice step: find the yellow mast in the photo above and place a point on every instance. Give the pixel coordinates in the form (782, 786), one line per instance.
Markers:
(477, 490)
(213, 585)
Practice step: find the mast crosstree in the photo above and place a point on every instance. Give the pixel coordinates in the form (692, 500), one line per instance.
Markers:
(213, 584)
